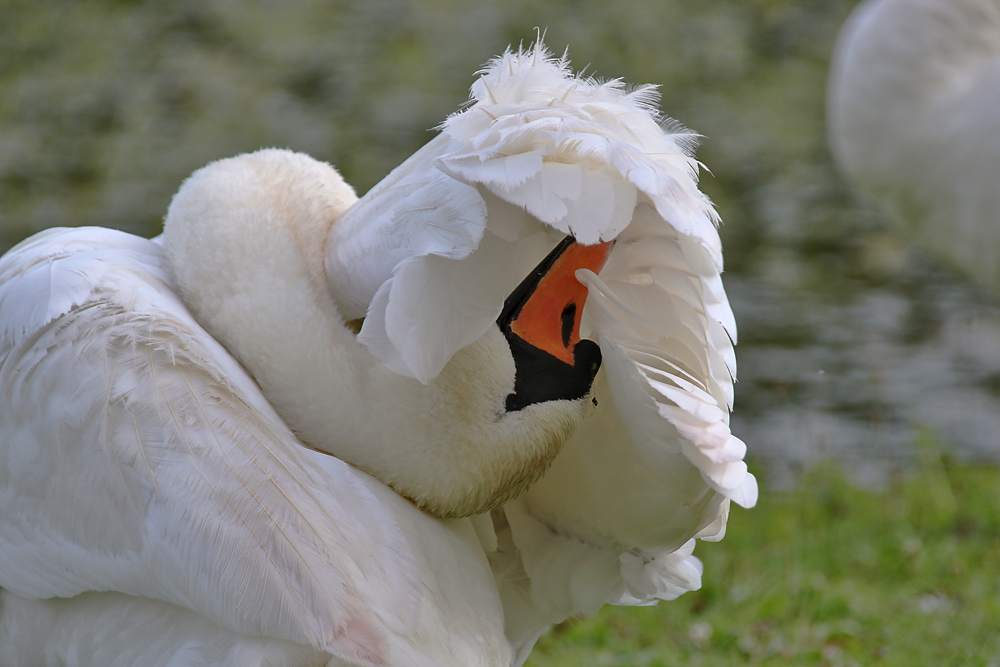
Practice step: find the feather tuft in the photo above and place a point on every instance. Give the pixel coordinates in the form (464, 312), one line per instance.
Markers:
(537, 145)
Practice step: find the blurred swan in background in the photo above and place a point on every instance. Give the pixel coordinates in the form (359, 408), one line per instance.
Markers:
(913, 113)
(301, 428)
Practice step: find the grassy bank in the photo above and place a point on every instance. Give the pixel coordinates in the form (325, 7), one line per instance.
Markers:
(827, 574)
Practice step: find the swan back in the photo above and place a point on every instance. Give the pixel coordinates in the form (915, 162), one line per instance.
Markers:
(141, 458)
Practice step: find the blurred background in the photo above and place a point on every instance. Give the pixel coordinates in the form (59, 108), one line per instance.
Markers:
(855, 346)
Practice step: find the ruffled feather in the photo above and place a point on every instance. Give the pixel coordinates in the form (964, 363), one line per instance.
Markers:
(539, 153)
(538, 149)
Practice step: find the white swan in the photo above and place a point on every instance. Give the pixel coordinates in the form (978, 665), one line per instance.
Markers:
(168, 408)
(913, 120)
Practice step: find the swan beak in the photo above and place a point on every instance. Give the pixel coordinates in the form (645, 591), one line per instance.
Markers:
(541, 320)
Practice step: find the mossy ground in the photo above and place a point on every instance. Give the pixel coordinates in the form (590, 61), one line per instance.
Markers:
(826, 574)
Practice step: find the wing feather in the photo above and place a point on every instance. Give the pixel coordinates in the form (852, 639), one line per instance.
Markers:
(140, 458)
(546, 152)
(576, 155)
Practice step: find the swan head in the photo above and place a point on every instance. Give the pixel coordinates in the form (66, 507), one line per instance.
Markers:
(496, 416)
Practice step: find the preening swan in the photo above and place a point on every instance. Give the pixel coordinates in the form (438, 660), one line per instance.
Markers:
(415, 428)
(912, 116)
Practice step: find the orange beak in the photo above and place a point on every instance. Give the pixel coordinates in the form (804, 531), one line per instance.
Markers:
(541, 321)
(550, 318)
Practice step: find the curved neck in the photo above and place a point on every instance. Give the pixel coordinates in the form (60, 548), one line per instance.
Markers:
(244, 239)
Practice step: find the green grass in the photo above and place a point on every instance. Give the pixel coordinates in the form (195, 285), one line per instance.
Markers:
(827, 574)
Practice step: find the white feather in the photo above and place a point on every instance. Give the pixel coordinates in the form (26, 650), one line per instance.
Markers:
(140, 458)
(573, 153)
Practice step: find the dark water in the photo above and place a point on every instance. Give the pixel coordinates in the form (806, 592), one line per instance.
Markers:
(854, 344)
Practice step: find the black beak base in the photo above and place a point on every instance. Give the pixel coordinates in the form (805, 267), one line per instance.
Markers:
(541, 377)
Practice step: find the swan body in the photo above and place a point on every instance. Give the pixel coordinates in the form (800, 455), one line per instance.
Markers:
(912, 117)
(299, 428)
(140, 459)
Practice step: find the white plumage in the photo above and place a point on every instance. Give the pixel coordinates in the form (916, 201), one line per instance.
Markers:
(913, 120)
(169, 407)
